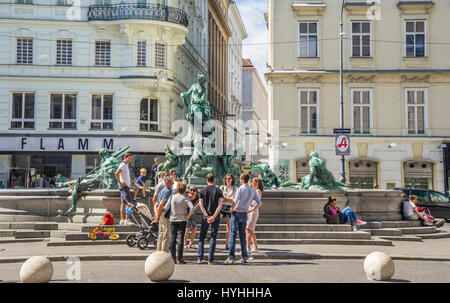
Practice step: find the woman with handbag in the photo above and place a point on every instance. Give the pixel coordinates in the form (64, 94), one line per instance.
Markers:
(335, 215)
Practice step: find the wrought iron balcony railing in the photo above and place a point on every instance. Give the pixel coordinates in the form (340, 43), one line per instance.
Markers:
(137, 11)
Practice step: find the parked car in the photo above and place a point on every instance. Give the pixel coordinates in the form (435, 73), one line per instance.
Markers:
(437, 202)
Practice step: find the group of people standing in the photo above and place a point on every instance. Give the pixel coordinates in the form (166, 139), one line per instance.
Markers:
(174, 207)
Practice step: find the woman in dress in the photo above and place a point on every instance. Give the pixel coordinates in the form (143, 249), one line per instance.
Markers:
(229, 190)
(253, 217)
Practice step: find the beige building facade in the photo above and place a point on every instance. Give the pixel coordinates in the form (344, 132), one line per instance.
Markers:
(396, 89)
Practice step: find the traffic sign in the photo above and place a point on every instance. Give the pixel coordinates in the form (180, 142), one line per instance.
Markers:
(155, 167)
(342, 131)
(342, 145)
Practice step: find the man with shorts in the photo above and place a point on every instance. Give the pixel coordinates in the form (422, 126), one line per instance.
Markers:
(124, 180)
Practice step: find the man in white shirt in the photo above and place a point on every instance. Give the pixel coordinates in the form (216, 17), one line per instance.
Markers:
(124, 180)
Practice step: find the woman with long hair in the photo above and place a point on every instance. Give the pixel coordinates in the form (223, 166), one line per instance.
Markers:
(229, 190)
(191, 226)
(335, 215)
(253, 217)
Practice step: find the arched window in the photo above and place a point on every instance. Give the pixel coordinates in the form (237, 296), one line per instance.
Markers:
(363, 174)
(149, 115)
(418, 174)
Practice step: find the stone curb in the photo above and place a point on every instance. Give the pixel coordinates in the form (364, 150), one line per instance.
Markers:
(222, 257)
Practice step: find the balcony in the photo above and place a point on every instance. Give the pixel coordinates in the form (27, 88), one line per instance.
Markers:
(125, 11)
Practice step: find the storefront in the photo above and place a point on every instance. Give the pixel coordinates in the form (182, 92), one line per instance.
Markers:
(42, 162)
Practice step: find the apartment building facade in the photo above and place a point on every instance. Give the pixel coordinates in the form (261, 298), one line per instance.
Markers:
(76, 76)
(396, 88)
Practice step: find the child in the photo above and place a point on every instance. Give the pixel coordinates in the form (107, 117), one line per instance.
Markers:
(139, 184)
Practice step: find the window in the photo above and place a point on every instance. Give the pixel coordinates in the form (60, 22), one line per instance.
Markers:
(103, 2)
(160, 55)
(418, 174)
(363, 174)
(438, 198)
(22, 110)
(64, 52)
(64, 2)
(149, 115)
(24, 51)
(415, 38)
(416, 111)
(362, 106)
(361, 32)
(24, 1)
(141, 53)
(308, 101)
(102, 110)
(103, 53)
(63, 110)
(142, 3)
(308, 39)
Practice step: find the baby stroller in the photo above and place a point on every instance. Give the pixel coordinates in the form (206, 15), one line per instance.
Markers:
(148, 232)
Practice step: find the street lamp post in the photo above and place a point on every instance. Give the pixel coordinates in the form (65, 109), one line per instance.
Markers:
(341, 85)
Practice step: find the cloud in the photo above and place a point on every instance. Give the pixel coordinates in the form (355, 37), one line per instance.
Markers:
(255, 47)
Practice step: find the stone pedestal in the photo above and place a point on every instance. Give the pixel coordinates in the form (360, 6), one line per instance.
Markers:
(279, 207)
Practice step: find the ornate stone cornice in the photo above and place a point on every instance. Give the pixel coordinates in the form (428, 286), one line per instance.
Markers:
(415, 79)
(308, 79)
(361, 79)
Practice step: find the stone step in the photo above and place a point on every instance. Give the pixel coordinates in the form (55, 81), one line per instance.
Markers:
(384, 232)
(440, 234)
(303, 227)
(7, 233)
(400, 224)
(372, 225)
(259, 227)
(260, 235)
(221, 242)
(14, 240)
(401, 238)
(418, 230)
(346, 242)
(32, 234)
(119, 228)
(46, 226)
(22, 225)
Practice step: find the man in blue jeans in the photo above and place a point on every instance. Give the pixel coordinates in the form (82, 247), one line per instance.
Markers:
(245, 195)
(210, 200)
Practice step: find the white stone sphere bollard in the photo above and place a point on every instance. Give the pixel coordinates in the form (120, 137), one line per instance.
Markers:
(159, 266)
(379, 266)
(37, 269)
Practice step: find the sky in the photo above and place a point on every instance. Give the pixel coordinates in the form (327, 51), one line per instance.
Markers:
(252, 14)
